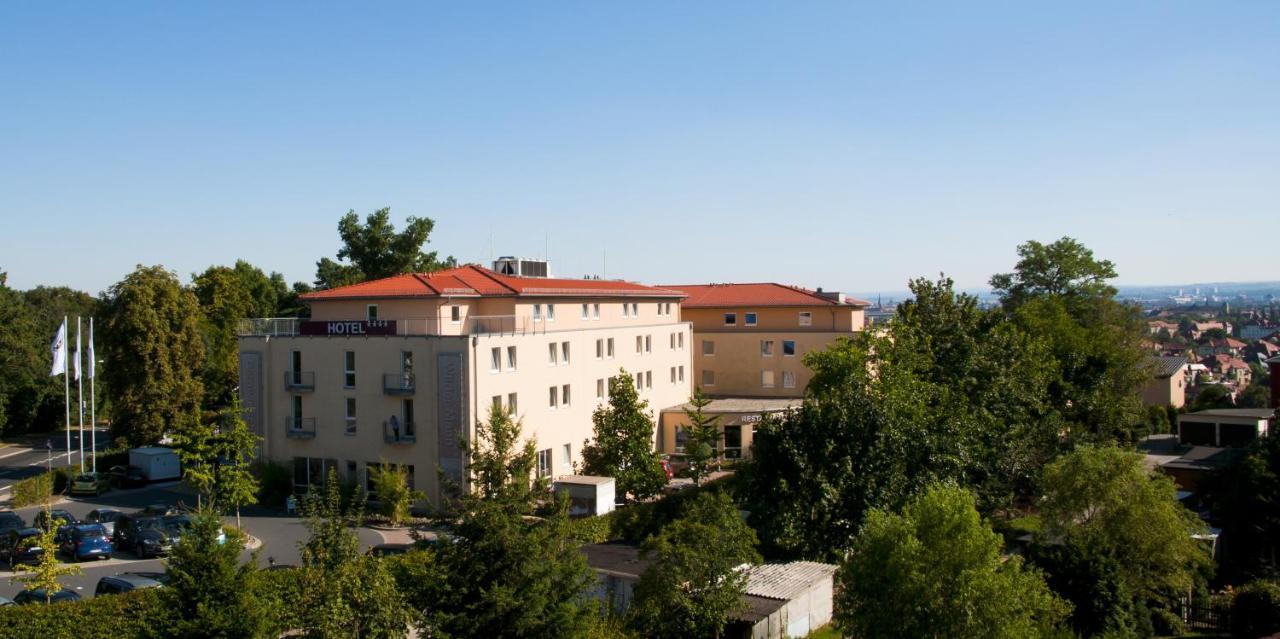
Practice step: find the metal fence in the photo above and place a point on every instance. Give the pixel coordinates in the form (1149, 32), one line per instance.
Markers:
(1206, 616)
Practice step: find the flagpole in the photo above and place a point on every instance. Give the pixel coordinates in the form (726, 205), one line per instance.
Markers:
(80, 390)
(93, 401)
(66, 395)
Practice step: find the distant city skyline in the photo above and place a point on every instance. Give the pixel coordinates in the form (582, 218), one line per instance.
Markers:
(834, 145)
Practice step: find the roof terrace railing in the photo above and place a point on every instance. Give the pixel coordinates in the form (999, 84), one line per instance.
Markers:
(472, 325)
(267, 327)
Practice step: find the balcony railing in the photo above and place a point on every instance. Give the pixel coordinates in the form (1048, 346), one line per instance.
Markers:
(399, 433)
(472, 325)
(490, 324)
(267, 327)
(299, 381)
(300, 427)
(398, 383)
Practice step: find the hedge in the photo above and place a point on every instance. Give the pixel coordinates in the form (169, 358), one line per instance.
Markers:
(134, 614)
(33, 490)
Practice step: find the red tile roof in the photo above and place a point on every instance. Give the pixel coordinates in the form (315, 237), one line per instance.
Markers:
(759, 294)
(476, 281)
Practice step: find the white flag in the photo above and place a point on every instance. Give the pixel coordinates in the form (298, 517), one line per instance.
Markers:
(90, 348)
(78, 351)
(60, 350)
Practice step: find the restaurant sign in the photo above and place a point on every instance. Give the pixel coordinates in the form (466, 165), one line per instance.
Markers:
(347, 328)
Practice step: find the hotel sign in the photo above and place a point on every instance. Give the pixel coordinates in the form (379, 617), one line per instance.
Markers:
(347, 328)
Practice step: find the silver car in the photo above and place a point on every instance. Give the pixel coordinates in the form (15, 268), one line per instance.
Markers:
(105, 516)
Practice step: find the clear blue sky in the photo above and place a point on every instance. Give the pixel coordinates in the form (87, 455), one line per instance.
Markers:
(834, 145)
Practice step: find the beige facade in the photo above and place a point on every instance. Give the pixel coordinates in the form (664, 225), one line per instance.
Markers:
(1165, 391)
(406, 396)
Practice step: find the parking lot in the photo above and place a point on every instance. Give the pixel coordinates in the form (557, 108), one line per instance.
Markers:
(279, 534)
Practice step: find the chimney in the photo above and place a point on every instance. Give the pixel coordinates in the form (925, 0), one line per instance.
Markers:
(835, 296)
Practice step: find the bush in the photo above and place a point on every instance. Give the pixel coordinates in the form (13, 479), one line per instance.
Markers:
(135, 614)
(33, 490)
(275, 482)
(592, 530)
(1255, 610)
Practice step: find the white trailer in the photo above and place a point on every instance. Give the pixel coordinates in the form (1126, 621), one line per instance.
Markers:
(157, 463)
(588, 495)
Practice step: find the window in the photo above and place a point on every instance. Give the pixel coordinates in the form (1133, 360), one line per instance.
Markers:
(564, 395)
(679, 341)
(730, 319)
(537, 312)
(648, 343)
(296, 358)
(371, 312)
(648, 379)
(626, 310)
(659, 305)
(296, 418)
(673, 374)
(586, 314)
(600, 349)
(708, 347)
(495, 359)
(566, 455)
(766, 348)
(351, 415)
(609, 348)
(806, 318)
(409, 427)
(595, 311)
(455, 314)
(749, 319)
(511, 358)
(639, 381)
(551, 312)
(682, 438)
(672, 342)
(668, 308)
(680, 370)
(349, 369)
(639, 344)
(497, 404)
(554, 395)
(635, 310)
(708, 378)
(544, 463)
(766, 379)
(733, 442)
(553, 353)
(788, 379)
(564, 353)
(511, 403)
(600, 388)
(788, 348)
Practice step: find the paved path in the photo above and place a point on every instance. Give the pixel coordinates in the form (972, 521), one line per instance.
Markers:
(19, 460)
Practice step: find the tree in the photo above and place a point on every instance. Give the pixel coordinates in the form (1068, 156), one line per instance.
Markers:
(46, 573)
(509, 573)
(623, 447)
(1110, 516)
(1244, 498)
(265, 291)
(391, 486)
(1065, 268)
(342, 593)
(151, 338)
(216, 459)
(936, 570)
(224, 301)
(704, 434)
(1255, 396)
(209, 587)
(375, 250)
(19, 359)
(694, 584)
(1213, 396)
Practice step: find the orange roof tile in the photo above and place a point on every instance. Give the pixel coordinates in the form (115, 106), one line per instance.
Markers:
(476, 281)
(757, 294)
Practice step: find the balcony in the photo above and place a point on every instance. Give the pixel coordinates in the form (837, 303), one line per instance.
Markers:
(299, 381)
(399, 433)
(300, 427)
(499, 324)
(398, 384)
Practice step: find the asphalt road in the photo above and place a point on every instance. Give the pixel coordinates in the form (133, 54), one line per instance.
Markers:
(19, 461)
(280, 534)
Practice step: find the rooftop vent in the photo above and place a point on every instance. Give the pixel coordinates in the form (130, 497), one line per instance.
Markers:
(835, 296)
(522, 267)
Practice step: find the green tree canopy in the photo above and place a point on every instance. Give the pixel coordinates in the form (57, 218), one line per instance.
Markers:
(1065, 268)
(224, 301)
(155, 353)
(1212, 396)
(21, 360)
(701, 447)
(1245, 500)
(209, 587)
(375, 250)
(694, 585)
(936, 570)
(623, 447)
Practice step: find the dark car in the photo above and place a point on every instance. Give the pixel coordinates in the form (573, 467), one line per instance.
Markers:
(5, 601)
(387, 550)
(37, 596)
(105, 516)
(87, 541)
(144, 535)
(124, 582)
(10, 520)
(45, 518)
(126, 476)
(158, 510)
(19, 547)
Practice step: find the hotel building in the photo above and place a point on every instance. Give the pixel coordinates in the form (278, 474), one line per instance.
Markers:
(399, 370)
(749, 341)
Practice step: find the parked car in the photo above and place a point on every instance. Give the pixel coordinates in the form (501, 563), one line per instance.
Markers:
(5, 601)
(124, 582)
(90, 484)
(19, 547)
(106, 517)
(157, 510)
(386, 550)
(10, 520)
(144, 535)
(37, 596)
(87, 541)
(161, 577)
(126, 476)
(179, 525)
(45, 518)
